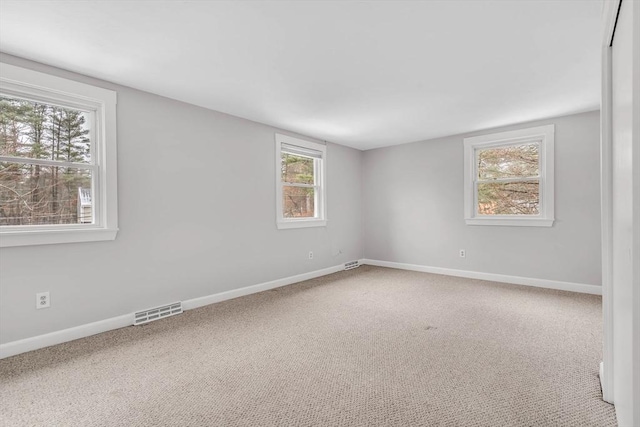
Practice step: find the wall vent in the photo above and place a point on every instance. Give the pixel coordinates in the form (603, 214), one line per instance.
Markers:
(351, 265)
(151, 314)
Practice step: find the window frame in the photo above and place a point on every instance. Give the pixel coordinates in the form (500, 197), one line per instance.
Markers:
(320, 193)
(545, 137)
(32, 85)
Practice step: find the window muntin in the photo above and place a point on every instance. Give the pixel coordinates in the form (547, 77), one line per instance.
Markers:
(58, 176)
(300, 183)
(509, 178)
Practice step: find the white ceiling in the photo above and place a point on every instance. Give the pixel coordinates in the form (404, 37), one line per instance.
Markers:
(364, 74)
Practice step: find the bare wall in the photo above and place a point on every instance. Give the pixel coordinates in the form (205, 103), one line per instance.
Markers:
(196, 197)
(413, 209)
(197, 216)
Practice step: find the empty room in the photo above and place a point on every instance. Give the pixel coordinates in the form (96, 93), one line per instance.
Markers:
(320, 213)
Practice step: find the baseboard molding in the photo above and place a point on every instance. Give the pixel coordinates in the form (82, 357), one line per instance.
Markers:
(58, 337)
(248, 290)
(516, 280)
(64, 335)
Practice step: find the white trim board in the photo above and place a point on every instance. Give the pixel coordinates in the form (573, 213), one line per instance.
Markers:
(609, 18)
(248, 290)
(65, 335)
(58, 337)
(515, 280)
(606, 228)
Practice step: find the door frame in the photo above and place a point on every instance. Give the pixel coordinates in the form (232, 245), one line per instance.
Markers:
(609, 17)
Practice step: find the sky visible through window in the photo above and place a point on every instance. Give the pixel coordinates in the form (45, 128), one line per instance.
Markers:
(39, 193)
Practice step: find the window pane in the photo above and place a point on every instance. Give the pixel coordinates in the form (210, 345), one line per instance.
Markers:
(516, 161)
(297, 169)
(298, 202)
(512, 198)
(38, 130)
(36, 195)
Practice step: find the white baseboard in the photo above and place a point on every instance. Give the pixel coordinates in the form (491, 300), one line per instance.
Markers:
(64, 335)
(516, 280)
(28, 344)
(58, 337)
(248, 290)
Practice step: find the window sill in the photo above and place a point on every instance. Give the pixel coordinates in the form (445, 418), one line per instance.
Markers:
(304, 223)
(512, 222)
(50, 237)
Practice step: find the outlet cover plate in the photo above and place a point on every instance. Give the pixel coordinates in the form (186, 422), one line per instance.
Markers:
(43, 300)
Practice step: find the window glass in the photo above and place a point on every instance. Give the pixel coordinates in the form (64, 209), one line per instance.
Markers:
(40, 195)
(298, 202)
(58, 160)
(42, 177)
(297, 169)
(300, 183)
(509, 178)
(509, 198)
(39, 130)
(512, 161)
(504, 184)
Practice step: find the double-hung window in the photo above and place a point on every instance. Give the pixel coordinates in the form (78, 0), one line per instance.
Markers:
(509, 178)
(57, 160)
(300, 183)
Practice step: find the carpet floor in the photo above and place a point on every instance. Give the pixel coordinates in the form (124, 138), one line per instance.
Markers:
(367, 347)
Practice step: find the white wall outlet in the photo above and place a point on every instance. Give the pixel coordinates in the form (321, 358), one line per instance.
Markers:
(310, 255)
(462, 253)
(43, 300)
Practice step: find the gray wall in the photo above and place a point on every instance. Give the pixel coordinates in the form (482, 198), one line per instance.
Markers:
(196, 197)
(413, 204)
(173, 155)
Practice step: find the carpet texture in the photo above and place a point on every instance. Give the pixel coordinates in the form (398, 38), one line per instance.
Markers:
(368, 347)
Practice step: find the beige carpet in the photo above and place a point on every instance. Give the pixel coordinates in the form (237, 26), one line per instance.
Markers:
(368, 347)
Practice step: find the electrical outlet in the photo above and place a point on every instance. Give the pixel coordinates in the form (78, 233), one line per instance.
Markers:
(310, 255)
(43, 300)
(462, 253)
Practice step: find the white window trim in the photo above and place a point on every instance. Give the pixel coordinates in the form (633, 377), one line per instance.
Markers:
(320, 180)
(31, 84)
(545, 135)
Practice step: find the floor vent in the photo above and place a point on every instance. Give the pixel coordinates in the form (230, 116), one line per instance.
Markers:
(351, 265)
(156, 313)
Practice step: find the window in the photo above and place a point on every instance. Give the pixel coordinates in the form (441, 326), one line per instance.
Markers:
(509, 178)
(300, 183)
(57, 160)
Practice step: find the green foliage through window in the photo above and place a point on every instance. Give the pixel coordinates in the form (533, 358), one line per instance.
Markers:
(508, 180)
(33, 193)
(298, 192)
